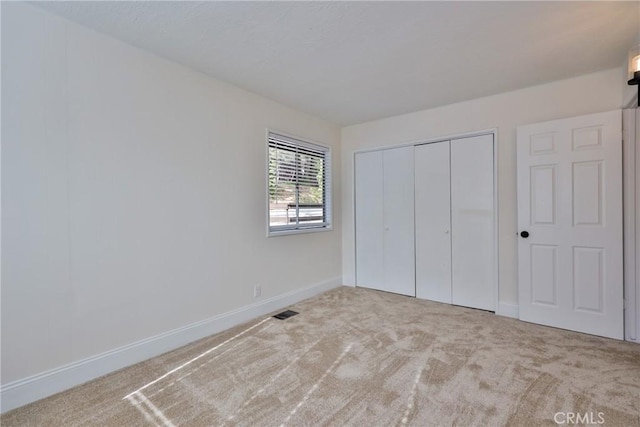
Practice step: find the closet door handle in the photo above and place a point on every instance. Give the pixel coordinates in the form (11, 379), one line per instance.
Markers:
(524, 234)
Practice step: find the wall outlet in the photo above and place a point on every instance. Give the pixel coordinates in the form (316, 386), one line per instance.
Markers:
(257, 291)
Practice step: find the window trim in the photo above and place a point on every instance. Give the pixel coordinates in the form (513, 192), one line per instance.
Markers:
(327, 225)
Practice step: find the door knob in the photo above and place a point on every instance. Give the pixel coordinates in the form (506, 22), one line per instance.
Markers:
(524, 234)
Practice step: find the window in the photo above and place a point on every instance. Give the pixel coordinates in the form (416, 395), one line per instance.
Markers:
(299, 185)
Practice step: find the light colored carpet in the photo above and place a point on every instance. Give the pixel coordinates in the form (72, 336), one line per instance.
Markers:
(364, 358)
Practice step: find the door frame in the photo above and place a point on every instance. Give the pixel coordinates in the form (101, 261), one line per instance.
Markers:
(498, 308)
(631, 222)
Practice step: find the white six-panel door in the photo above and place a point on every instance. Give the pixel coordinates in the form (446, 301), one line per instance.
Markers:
(385, 257)
(570, 224)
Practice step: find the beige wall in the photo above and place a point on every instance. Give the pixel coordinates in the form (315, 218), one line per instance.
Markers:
(581, 95)
(133, 196)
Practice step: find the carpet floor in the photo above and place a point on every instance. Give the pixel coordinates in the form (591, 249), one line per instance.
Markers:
(357, 357)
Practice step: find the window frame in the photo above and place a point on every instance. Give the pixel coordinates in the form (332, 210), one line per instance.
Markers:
(327, 225)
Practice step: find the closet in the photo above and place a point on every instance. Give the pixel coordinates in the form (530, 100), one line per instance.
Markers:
(425, 221)
(454, 222)
(385, 249)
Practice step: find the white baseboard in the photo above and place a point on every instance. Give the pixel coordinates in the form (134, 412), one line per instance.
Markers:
(39, 386)
(508, 309)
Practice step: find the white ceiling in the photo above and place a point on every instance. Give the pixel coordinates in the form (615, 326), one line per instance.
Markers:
(350, 62)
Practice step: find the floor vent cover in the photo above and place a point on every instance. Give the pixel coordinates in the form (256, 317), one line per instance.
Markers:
(285, 314)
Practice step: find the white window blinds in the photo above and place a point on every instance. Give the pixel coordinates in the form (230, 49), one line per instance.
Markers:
(299, 184)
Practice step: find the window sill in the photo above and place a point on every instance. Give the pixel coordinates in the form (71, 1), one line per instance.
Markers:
(277, 233)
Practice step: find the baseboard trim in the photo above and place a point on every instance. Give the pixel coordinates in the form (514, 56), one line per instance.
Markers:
(508, 309)
(39, 386)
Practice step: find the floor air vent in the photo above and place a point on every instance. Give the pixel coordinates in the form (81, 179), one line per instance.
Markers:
(285, 314)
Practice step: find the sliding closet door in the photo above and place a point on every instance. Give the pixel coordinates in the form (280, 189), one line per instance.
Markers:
(472, 222)
(369, 219)
(433, 222)
(385, 256)
(399, 230)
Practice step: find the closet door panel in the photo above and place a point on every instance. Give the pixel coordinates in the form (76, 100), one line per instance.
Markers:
(472, 222)
(369, 219)
(399, 231)
(433, 222)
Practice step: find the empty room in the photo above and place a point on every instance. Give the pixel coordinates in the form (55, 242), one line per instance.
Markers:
(308, 213)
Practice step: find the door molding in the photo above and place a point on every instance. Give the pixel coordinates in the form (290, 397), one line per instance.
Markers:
(631, 185)
(414, 142)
